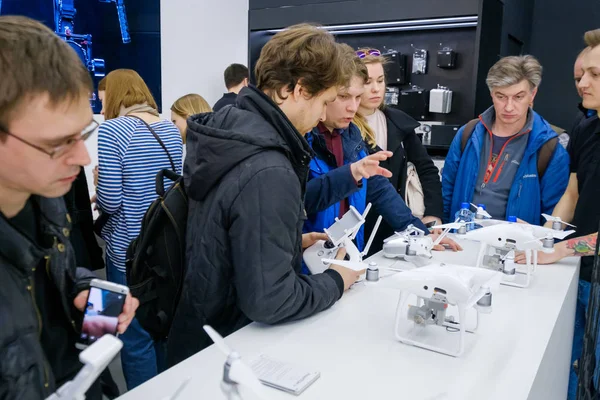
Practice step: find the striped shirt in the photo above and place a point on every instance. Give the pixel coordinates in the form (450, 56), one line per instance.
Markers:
(129, 157)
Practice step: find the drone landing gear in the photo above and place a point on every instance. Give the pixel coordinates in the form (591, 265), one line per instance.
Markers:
(413, 330)
(503, 260)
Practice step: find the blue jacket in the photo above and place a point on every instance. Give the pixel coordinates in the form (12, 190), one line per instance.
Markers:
(327, 184)
(528, 197)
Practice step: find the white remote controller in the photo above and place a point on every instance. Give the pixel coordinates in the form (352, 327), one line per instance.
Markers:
(315, 254)
(340, 234)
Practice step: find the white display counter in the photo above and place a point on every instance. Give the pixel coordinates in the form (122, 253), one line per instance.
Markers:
(520, 351)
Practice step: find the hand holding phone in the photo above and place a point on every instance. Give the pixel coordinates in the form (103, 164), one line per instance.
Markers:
(104, 304)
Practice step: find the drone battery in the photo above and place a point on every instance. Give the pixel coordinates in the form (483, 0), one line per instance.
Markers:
(395, 68)
(415, 102)
(440, 100)
(446, 59)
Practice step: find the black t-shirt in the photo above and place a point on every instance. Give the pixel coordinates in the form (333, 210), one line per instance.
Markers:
(58, 336)
(584, 150)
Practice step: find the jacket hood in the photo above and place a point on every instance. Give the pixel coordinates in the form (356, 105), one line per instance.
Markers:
(217, 142)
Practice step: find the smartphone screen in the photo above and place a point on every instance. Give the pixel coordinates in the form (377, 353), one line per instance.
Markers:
(101, 314)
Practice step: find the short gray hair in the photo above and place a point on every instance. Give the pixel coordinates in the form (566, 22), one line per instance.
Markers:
(511, 70)
(592, 38)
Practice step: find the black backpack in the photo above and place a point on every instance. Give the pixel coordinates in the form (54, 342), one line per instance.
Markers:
(155, 264)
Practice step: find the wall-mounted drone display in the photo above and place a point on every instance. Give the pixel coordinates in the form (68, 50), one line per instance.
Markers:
(105, 34)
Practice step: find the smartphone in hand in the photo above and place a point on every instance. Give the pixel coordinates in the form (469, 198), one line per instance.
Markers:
(101, 315)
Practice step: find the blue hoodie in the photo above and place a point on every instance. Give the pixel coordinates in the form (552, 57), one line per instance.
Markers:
(529, 197)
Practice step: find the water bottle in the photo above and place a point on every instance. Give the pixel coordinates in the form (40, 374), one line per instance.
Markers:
(464, 215)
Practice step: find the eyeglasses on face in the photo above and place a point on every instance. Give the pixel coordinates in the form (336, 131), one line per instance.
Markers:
(369, 52)
(62, 148)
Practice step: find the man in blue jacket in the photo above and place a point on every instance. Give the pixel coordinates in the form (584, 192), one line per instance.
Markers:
(510, 162)
(342, 164)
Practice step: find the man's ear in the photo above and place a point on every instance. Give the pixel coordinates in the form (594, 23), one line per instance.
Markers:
(299, 92)
(246, 81)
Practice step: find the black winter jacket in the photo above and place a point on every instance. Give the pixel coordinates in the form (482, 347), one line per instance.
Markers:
(87, 251)
(406, 146)
(245, 174)
(24, 370)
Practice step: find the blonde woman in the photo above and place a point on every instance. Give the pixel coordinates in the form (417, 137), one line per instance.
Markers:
(186, 106)
(393, 130)
(129, 157)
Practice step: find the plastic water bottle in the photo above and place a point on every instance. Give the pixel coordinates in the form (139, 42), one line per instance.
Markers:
(465, 215)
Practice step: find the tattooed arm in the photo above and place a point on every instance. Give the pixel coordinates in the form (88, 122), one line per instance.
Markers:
(578, 247)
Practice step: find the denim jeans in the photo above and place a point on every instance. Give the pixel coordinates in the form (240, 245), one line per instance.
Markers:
(142, 358)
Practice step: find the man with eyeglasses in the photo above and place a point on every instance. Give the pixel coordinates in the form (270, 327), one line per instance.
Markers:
(508, 159)
(44, 118)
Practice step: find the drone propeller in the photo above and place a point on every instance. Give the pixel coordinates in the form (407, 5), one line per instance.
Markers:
(358, 266)
(239, 372)
(481, 211)
(556, 234)
(179, 390)
(550, 218)
(218, 339)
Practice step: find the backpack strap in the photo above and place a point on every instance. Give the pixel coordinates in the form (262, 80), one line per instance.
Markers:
(153, 132)
(467, 132)
(544, 155)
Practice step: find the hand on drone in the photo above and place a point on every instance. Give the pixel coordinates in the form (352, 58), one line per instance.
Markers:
(308, 239)
(369, 166)
(446, 242)
(131, 304)
(349, 276)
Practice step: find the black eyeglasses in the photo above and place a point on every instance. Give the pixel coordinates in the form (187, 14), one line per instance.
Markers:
(63, 148)
(369, 52)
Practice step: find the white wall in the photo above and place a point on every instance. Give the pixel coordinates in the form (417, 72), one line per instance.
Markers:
(199, 39)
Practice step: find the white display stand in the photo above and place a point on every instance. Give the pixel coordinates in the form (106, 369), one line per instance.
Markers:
(521, 350)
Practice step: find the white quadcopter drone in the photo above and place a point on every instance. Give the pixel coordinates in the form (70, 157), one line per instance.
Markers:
(320, 255)
(95, 359)
(437, 287)
(411, 245)
(505, 238)
(238, 377)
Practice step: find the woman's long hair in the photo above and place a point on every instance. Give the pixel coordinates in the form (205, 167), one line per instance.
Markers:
(190, 104)
(125, 87)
